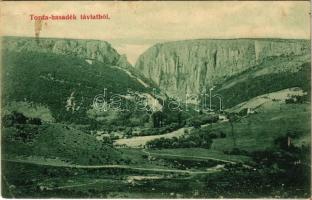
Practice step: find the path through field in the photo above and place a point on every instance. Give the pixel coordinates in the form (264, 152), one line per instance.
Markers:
(140, 141)
(108, 167)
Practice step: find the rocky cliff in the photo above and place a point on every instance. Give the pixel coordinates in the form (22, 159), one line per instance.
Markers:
(87, 49)
(195, 65)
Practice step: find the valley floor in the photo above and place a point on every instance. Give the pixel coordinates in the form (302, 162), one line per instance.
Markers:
(257, 169)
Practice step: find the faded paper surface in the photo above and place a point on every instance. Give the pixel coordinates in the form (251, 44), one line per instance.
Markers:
(155, 99)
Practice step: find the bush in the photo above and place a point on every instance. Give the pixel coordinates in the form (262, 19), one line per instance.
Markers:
(35, 121)
(222, 135)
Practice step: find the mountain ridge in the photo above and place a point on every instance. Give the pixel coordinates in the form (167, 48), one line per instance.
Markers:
(193, 66)
(98, 50)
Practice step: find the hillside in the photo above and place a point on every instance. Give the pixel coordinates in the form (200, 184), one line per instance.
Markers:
(55, 141)
(271, 75)
(64, 83)
(53, 83)
(259, 132)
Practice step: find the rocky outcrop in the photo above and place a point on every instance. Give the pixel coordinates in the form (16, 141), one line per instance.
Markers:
(123, 62)
(195, 65)
(87, 49)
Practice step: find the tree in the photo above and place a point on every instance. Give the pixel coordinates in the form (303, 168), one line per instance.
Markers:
(128, 132)
(233, 117)
(157, 118)
(19, 118)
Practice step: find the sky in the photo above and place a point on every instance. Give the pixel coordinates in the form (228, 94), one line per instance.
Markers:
(133, 27)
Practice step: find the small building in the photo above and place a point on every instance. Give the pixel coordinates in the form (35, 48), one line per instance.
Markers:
(250, 111)
(223, 118)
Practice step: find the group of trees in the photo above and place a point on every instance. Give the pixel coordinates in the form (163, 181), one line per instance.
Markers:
(19, 118)
(181, 142)
(167, 116)
(197, 138)
(197, 121)
(158, 131)
(25, 128)
(297, 99)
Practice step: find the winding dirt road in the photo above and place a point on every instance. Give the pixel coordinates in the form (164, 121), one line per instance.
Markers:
(108, 167)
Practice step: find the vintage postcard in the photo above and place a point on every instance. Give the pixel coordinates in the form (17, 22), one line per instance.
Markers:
(206, 99)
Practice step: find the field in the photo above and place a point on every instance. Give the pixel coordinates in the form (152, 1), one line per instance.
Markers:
(136, 142)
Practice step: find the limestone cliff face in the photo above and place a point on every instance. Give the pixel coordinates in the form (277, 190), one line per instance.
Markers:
(86, 49)
(193, 66)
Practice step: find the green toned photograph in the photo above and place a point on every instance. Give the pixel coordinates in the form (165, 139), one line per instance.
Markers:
(148, 100)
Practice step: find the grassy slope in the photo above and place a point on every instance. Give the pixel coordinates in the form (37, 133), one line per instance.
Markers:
(61, 142)
(258, 131)
(275, 118)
